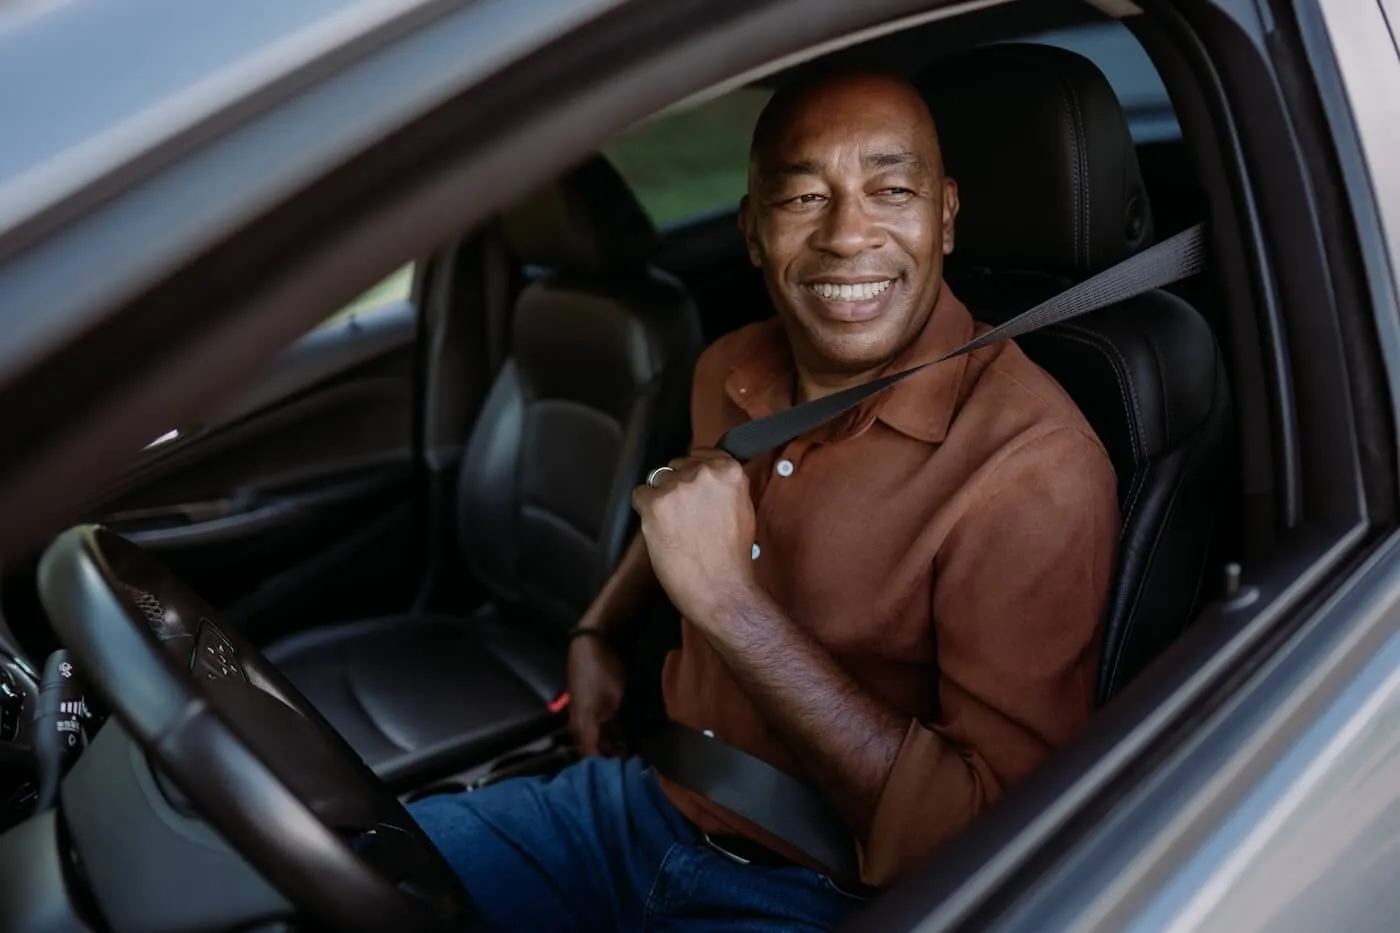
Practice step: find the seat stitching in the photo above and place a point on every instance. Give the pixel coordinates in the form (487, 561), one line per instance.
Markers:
(1138, 482)
(1125, 387)
(656, 882)
(1081, 165)
(1166, 395)
(1152, 555)
(1074, 175)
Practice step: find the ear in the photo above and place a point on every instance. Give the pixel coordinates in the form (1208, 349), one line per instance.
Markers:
(748, 225)
(950, 214)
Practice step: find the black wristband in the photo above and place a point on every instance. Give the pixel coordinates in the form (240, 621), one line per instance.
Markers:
(580, 631)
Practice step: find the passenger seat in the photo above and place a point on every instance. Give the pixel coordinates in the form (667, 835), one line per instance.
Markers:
(595, 390)
(1051, 193)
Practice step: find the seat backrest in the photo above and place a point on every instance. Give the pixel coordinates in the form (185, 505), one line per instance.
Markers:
(1051, 193)
(594, 389)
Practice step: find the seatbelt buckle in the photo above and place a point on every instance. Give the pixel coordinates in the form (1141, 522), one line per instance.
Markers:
(732, 856)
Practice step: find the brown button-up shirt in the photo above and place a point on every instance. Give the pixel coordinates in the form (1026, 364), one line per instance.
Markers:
(950, 542)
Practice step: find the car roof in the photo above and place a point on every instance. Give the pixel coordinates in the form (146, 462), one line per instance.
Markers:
(87, 85)
(87, 88)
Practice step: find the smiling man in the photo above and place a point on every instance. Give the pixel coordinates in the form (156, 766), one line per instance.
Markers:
(900, 609)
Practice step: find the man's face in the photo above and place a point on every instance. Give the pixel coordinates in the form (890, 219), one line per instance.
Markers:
(849, 217)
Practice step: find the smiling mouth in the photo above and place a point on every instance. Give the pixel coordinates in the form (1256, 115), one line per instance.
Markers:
(862, 291)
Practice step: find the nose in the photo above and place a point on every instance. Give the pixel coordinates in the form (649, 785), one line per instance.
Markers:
(847, 229)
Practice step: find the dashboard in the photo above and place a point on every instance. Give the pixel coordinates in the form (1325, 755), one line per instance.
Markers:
(19, 688)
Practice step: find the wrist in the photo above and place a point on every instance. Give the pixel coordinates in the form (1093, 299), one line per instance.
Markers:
(590, 634)
(731, 608)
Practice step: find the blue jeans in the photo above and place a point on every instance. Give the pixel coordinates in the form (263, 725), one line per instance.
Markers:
(599, 847)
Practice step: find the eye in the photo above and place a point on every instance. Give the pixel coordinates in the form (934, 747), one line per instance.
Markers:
(804, 200)
(895, 194)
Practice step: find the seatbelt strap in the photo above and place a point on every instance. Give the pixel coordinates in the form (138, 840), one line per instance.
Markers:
(758, 792)
(1169, 261)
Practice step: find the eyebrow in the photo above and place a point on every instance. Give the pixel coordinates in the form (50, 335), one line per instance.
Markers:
(789, 169)
(892, 160)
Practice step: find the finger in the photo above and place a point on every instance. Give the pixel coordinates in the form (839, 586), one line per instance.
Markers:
(661, 476)
(642, 498)
(681, 468)
(709, 453)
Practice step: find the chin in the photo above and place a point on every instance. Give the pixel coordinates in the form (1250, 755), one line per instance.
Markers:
(853, 353)
(856, 347)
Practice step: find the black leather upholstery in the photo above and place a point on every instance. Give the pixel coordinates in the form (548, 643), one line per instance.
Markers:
(588, 223)
(594, 390)
(1051, 192)
(1046, 169)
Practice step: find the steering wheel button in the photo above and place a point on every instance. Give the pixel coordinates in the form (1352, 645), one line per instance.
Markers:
(216, 659)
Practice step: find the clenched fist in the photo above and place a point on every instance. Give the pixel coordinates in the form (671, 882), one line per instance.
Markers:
(698, 523)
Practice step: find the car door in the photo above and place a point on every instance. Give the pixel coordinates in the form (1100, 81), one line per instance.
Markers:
(294, 502)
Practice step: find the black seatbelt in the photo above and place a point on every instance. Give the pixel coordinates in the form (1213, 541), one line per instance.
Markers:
(779, 803)
(1169, 261)
(758, 792)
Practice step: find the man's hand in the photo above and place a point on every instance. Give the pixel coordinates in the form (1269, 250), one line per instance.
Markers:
(698, 523)
(595, 681)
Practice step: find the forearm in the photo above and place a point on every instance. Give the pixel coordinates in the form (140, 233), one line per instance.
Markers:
(847, 738)
(616, 604)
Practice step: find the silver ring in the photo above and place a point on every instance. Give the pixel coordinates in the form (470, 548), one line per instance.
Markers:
(651, 477)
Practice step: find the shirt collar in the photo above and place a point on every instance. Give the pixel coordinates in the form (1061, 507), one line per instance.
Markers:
(763, 381)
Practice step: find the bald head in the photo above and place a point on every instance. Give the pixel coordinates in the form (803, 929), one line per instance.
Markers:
(826, 97)
(848, 215)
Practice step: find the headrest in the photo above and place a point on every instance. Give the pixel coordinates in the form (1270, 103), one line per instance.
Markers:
(1047, 174)
(587, 222)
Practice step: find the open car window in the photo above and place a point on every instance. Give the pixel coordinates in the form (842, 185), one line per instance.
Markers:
(694, 162)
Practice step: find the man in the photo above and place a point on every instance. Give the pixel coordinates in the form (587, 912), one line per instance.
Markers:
(900, 609)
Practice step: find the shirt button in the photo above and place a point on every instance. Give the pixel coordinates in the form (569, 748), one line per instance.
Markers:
(785, 467)
(756, 552)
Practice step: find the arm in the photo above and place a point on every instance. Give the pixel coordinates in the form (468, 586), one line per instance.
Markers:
(614, 608)
(1021, 584)
(594, 673)
(1019, 588)
(848, 739)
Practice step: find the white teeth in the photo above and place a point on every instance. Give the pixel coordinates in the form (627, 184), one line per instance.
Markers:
(861, 292)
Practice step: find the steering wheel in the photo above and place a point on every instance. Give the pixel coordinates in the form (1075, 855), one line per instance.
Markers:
(248, 753)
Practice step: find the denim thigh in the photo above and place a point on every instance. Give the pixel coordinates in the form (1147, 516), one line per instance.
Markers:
(599, 847)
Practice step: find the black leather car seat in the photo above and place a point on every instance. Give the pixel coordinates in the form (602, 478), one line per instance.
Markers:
(594, 390)
(1051, 193)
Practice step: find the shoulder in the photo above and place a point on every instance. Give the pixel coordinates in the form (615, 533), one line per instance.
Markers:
(1005, 388)
(1029, 434)
(720, 358)
(712, 411)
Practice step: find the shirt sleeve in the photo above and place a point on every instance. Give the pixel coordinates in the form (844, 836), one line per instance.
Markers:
(1020, 587)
